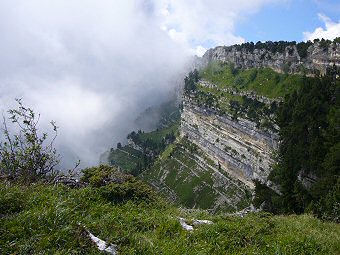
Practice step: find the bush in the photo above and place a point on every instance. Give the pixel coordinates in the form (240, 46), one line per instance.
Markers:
(116, 186)
(131, 190)
(26, 156)
(103, 175)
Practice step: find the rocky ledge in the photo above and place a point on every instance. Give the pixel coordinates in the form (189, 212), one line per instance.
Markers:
(318, 58)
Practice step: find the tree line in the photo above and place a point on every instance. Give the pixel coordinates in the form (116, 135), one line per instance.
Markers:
(308, 168)
(280, 46)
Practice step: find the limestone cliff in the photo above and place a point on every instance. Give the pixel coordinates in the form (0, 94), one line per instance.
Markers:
(316, 58)
(239, 147)
(227, 139)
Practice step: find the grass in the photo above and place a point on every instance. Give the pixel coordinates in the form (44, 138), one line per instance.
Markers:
(159, 134)
(239, 93)
(131, 160)
(264, 81)
(127, 158)
(46, 219)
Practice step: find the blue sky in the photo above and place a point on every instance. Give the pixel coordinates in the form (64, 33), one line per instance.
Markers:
(202, 24)
(287, 21)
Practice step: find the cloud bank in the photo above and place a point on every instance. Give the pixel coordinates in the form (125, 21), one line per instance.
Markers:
(93, 66)
(330, 32)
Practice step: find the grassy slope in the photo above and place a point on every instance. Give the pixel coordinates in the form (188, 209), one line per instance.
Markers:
(167, 117)
(226, 96)
(191, 182)
(159, 134)
(263, 81)
(45, 220)
(127, 158)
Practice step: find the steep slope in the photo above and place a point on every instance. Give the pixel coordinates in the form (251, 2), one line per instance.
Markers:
(230, 115)
(160, 126)
(187, 175)
(183, 173)
(228, 138)
(238, 146)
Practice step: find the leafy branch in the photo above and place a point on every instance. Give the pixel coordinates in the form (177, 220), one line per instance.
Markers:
(25, 156)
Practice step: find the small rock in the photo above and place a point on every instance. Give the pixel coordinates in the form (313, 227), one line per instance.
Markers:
(200, 222)
(102, 245)
(184, 225)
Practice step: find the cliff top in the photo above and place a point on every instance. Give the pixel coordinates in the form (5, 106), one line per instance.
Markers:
(312, 58)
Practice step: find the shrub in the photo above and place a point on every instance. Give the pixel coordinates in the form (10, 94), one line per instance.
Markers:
(103, 175)
(26, 156)
(130, 190)
(116, 186)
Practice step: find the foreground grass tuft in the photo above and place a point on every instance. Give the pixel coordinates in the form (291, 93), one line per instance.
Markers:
(46, 219)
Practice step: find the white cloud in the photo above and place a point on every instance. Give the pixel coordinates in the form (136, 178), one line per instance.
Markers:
(92, 66)
(201, 22)
(331, 30)
(200, 51)
(177, 37)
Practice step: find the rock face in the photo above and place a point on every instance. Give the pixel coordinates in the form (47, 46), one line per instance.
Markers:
(237, 146)
(189, 177)
(318, 58)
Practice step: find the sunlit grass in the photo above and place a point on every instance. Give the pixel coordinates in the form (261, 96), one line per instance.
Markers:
(44, 219)
(264, 81)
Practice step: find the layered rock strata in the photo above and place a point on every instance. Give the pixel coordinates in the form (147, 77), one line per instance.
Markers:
(237, 146)
(317, 60)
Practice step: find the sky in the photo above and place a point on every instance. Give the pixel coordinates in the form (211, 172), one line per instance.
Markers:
(93, 66)
(289, 20)
(205, 24)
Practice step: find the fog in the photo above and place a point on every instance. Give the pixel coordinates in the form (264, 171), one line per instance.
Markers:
(94, 66)
(91, 66)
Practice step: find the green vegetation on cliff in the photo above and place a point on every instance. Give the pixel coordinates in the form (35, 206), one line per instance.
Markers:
(281, 46)
(252, 94)
(148, 145)
(186, 175)
(262, 81)
(144, 147)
